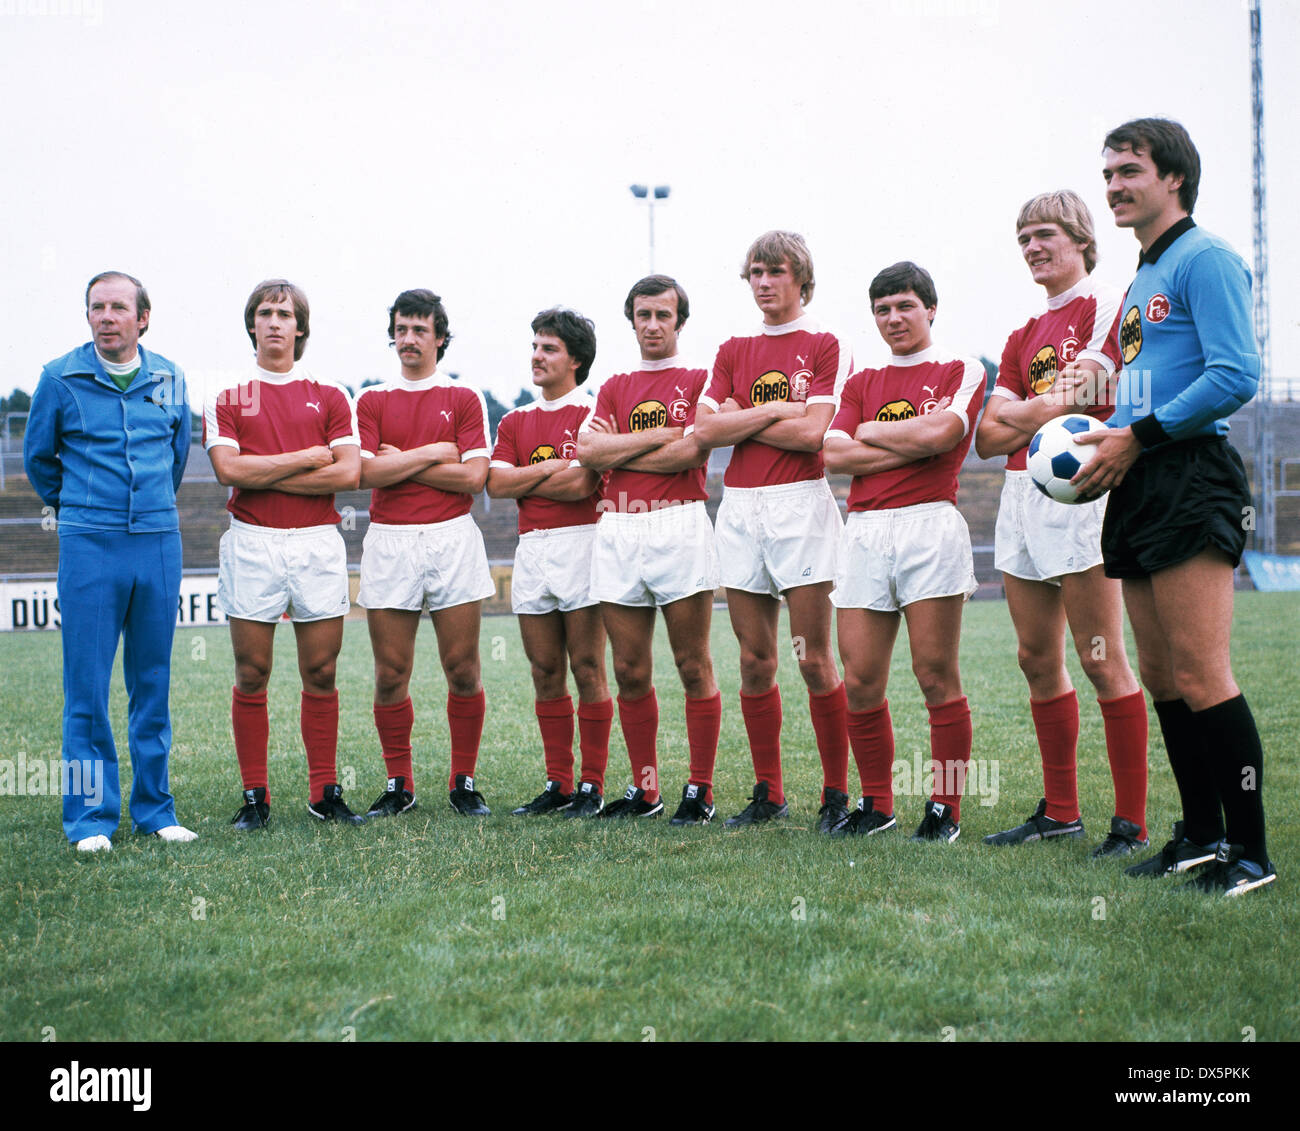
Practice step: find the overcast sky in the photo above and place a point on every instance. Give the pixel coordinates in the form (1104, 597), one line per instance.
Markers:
(486, 151)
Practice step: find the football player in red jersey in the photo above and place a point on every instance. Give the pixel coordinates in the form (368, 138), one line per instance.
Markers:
(1050, 553)
(654, 548)
(902, 431)
(424, 448)
(772, 395)
(535, 462)
(283, 552)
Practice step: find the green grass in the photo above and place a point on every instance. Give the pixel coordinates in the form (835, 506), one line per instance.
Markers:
(432, 926)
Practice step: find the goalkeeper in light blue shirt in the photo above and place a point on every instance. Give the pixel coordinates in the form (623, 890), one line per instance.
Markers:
(1176, 519)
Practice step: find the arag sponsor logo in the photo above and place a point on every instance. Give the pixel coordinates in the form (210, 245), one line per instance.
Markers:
(647, 415)
(1130, 335)
(543, 452)
(1042, 370)
(771, 386)
(896, 410)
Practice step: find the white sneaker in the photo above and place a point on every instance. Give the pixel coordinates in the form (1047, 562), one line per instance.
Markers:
(99, 843)
(176, 834)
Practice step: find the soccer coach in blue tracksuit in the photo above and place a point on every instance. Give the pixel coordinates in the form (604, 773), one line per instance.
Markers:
(107, 439)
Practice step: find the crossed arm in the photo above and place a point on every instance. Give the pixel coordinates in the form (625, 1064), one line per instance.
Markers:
(884, 445)
(318, 470)
(665, 449)
(1008, 425)
(549, 479)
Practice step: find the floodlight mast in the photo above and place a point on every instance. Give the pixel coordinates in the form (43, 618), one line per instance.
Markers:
(1266, 520)
(649, 195)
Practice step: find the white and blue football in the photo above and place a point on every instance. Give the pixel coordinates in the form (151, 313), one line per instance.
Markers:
(1054, 457)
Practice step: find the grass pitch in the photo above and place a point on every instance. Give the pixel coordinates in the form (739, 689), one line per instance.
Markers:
(432, 926)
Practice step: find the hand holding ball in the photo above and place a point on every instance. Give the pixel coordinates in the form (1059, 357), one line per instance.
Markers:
(1054, 457)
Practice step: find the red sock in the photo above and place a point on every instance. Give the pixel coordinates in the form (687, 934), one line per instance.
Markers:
(871, 734)
(319, 719)
(639, 719)
(703, 725)
(1056, 723)
(248, 719)
(1125, 720)
(394, 721)
(950, 742)
(595, 720)
(555, 721)
(465, 722)
(762, 715)
(830, 724)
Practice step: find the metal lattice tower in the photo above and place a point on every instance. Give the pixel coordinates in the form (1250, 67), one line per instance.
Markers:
(1266, 520)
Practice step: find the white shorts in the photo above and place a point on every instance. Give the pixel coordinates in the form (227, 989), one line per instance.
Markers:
(265, 572)
(552, 571)
(770, 539)
(1040, 539)
(891, 558)
(653, 558)
(433, 566)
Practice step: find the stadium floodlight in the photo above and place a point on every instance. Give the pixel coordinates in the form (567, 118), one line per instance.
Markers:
(644, 192)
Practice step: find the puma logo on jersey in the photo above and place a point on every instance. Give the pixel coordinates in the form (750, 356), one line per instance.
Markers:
(314, 404)
(681, 392)
(800, 359)
(446, 414)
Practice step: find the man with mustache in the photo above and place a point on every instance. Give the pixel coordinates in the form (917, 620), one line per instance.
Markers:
(1175, 520)
(424, 452)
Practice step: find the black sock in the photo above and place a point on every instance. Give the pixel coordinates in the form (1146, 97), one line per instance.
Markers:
(1197, 785)
(1236, 759)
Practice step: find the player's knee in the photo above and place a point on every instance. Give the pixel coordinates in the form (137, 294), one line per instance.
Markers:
(864, 692)
(318, 678)
(251, 677)
(1159, 681)
(936, 680)
(819, 672)
(632, 677)
(589, 675)
(463, 678)
(757, 668)
(391, 681)
(1037, 665)
(695, 672)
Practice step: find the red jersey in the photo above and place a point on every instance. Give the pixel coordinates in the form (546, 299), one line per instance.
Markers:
(659, 393)
(1076, 327)
(798, 361)
(908, 387)
(540, 431)
(409, 414)
(272, 414)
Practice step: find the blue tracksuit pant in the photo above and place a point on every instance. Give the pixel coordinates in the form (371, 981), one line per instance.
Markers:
(114, 585)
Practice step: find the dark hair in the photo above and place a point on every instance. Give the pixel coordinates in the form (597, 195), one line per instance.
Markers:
(277, 289)
(142, 303)
(577, 332)
(421, 303)
(1170, 147)
(653, 285)
(905, 276)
